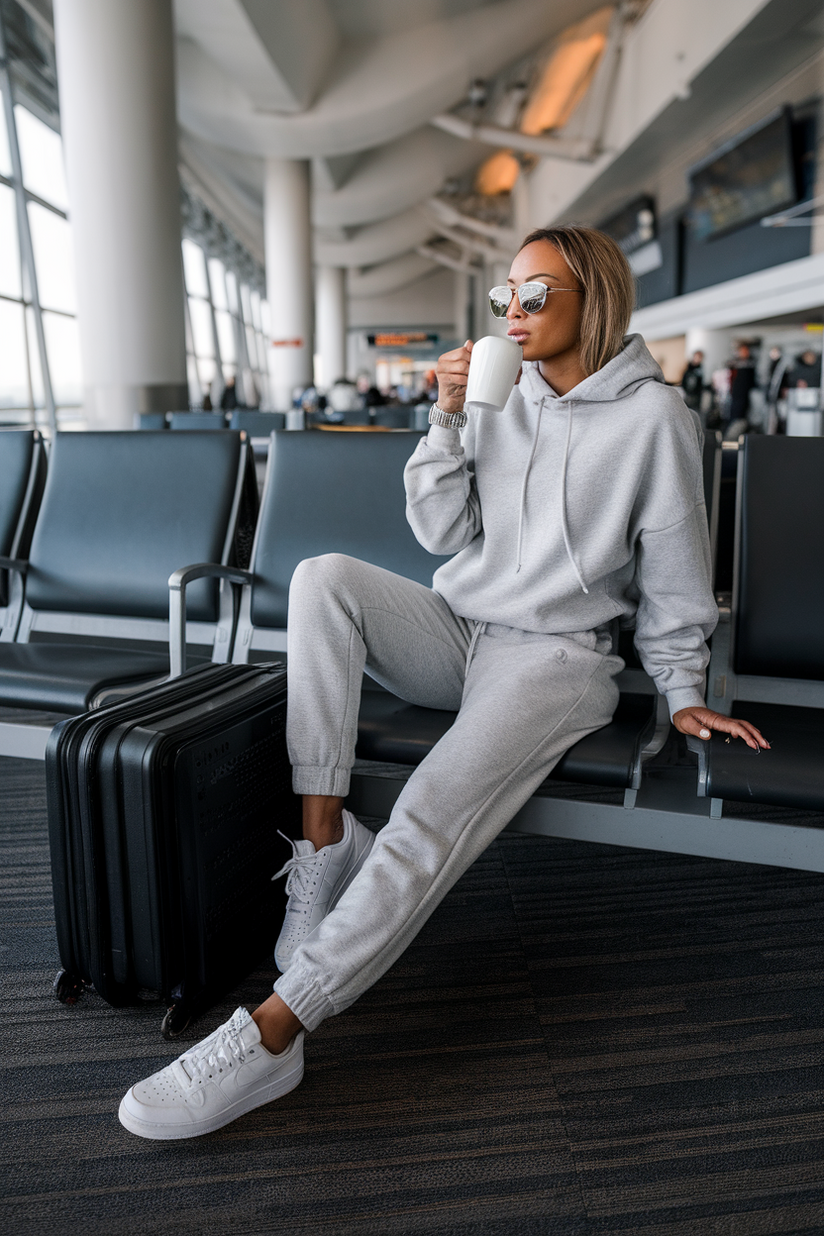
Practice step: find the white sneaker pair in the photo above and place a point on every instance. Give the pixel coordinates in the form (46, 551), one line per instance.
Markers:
(317, 879)
(231, 1072)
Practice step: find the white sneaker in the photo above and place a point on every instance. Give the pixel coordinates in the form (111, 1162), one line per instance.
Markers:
(229, 1073)
(317, 881)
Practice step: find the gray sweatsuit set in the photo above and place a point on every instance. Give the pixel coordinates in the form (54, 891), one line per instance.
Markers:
(564, 514)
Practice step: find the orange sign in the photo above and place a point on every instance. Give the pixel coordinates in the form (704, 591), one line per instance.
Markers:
(399, 339)
(287, 343)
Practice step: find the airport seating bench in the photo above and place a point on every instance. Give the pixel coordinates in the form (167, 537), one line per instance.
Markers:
(318, 500)
(120, 511)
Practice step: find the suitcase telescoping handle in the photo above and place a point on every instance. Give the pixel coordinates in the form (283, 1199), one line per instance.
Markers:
(178, 583)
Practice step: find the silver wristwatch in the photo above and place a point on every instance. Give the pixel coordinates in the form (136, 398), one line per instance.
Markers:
(449, 420)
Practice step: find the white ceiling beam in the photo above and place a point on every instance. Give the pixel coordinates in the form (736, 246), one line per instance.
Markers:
(394, 177)
(504, 236)
(445, 259)
(375, 91)
(580, 150)
(388, 276)
(300, 38)
(378, 242)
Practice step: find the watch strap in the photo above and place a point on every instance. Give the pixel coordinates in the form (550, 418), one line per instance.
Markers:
(447, 420)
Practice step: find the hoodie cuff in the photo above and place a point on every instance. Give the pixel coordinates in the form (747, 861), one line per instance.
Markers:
(441, 439)
(684, 697)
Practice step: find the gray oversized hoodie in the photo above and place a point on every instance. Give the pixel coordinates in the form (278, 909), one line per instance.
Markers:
(564, 513)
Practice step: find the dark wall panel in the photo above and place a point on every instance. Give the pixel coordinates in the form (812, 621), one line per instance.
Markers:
(742, 252)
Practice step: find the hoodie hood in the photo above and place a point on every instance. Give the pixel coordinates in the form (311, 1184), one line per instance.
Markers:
(619, 379)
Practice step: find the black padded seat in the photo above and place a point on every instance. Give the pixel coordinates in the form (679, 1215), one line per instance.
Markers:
(790, 774)
(777, 628)
(197, 420)
(63, 678)
(333, 493)
(395, 416)
(257, 424)
(121, 511)
(779, 621)
(394, 732)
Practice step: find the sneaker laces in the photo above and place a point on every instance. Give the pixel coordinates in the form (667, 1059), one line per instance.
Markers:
(300, 868)
(223, 1048)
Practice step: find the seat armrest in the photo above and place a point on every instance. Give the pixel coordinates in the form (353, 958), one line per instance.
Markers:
(655, 737)
(700, 748)
(178, 582)
(18, 565)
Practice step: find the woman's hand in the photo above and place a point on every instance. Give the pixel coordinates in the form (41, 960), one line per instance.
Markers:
(452, 371)
(700, 722)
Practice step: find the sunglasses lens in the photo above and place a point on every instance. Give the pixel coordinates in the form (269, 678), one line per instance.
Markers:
(532, 296)
(499, 299)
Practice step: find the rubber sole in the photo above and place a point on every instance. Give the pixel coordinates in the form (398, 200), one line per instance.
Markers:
(162, 1132)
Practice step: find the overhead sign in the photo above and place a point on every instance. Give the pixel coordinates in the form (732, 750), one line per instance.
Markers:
(399, 339)
(287, 343)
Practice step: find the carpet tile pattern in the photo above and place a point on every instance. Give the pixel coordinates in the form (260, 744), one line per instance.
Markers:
(583, 1041)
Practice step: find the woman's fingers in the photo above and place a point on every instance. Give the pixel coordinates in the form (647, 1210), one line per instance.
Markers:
(702, 722)
(452, 372)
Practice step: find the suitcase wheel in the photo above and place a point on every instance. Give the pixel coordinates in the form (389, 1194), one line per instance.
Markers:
(175, 1022)
(67, 987)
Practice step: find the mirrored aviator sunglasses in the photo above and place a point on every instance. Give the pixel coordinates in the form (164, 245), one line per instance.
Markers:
(532, 297)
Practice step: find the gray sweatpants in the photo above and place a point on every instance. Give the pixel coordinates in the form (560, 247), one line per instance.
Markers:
(522, 698)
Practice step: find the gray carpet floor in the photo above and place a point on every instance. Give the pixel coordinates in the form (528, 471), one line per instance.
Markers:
(583, 1041)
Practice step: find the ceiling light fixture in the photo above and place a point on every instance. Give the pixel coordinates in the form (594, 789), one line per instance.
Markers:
(567, 74)
(497, 174)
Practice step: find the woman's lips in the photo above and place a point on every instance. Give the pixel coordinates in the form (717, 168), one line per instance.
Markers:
(520, 336)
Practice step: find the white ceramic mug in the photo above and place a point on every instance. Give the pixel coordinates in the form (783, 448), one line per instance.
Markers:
(493, 368)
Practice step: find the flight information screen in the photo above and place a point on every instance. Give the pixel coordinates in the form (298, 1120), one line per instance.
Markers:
(752, 176)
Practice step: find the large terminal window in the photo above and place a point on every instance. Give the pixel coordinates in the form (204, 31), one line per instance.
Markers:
(227, 320)
(40, 378)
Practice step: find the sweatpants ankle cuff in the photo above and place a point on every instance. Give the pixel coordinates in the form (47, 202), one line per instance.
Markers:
(301, 994)
(307, 779)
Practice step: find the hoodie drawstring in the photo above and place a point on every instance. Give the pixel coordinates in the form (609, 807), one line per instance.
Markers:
(480, 627)
(564, 526)
(522, 511)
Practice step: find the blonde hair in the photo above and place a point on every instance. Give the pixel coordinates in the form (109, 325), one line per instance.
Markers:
(608, 286)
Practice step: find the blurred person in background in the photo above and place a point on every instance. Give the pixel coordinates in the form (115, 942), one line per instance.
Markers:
(742, 381)
(228, 400)
(692, 381)
(807, 370)
(343, 397)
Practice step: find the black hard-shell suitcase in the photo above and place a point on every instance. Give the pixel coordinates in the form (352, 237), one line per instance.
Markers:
(163, 816)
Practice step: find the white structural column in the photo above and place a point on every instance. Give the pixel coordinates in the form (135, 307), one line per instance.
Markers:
(115, 62)
(288, 243)
(330, 325)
